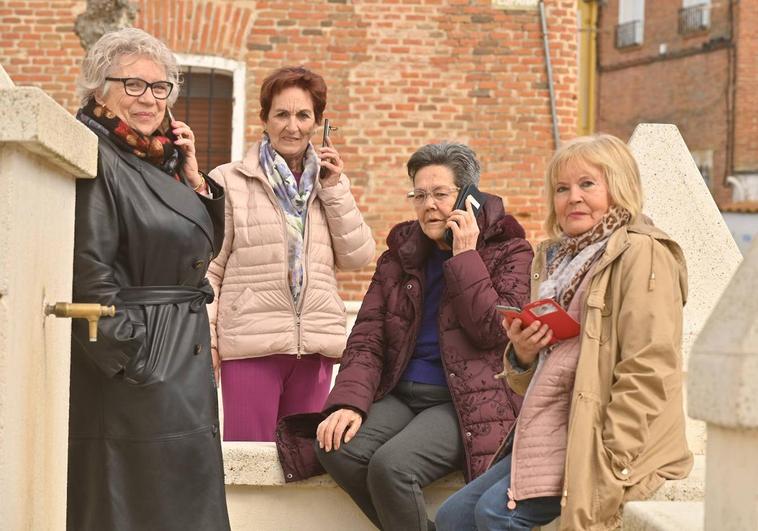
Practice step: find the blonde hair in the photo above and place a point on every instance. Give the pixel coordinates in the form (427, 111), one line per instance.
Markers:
(612, 157)
(106, 53)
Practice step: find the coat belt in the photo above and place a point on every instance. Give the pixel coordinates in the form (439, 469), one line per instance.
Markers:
(198, 297)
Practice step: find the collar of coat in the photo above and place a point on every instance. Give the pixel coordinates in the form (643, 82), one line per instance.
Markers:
(620, 242)
(250, 166)
(412, 246)
(174, 194)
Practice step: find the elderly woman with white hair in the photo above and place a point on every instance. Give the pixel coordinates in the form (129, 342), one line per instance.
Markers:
(144, 445)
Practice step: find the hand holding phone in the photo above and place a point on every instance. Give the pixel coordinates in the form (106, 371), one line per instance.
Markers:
(477, 202)
(546, 311)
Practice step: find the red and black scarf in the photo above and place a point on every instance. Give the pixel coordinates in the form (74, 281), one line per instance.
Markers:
(156, 149)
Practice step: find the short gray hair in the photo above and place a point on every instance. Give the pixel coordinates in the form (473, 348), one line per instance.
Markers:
(105, 54)
(459, 158)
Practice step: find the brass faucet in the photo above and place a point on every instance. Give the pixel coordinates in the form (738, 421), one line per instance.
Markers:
(91, 312)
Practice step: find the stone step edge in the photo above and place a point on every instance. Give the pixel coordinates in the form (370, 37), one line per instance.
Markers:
(664, 516)
(257, 464)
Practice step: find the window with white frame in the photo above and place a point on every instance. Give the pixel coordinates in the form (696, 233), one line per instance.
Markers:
(631, 27)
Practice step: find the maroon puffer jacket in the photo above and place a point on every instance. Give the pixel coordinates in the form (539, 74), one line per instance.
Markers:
(472, 338)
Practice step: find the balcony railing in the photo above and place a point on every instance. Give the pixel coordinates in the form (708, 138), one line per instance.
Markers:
(629, 34)
(694, 19)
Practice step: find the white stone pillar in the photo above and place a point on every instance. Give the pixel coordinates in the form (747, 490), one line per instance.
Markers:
(43, 149)
(723, 391)
(679, 202)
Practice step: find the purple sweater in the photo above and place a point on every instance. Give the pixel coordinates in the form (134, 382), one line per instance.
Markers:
(426, 365)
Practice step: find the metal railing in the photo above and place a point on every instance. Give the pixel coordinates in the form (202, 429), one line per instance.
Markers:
(629, 34)
(694, 19)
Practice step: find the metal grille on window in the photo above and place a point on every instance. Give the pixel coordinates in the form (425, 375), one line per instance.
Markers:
(629, 34)
(205, 104)
(694, 18)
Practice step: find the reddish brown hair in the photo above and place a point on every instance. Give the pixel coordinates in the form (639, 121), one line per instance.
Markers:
(293, 76)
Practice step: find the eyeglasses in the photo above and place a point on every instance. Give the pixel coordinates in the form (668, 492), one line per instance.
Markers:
(439, 195)
(135, 86)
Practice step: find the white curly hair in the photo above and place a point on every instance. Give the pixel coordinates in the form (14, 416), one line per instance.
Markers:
(104, 56)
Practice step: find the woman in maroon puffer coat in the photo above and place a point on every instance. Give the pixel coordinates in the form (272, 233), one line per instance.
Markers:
(416, 396)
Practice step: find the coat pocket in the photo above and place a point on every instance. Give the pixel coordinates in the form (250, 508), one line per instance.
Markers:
(151, 363)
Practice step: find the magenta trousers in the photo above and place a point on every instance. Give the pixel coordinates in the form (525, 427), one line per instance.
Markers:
(257, 392)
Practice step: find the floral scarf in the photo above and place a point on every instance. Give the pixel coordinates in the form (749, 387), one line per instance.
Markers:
(156, 149)
(570, 258)
(294, 202)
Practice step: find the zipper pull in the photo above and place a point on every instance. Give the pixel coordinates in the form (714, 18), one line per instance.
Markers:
(511, 502)
(563, 498)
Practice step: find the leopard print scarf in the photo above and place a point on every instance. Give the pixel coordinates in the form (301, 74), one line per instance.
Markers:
(570, 258)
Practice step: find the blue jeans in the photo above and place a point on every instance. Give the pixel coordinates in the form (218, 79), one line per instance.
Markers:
(481, 505)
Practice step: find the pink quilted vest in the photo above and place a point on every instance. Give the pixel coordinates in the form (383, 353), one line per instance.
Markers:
(539, 445)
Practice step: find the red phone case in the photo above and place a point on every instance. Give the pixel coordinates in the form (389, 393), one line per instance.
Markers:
(546, 311)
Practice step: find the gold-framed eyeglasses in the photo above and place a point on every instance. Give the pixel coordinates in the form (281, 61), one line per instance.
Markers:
(136, 87)
(440, 194)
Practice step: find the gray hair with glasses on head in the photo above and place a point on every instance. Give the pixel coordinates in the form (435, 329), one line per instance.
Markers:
(459, 158)
(104, 56)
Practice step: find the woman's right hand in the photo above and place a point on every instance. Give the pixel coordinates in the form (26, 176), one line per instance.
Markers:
(329, 433)
(527, 342)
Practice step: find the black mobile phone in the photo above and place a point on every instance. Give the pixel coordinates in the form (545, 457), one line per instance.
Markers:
(324, 143)
(170, 133)
(477, 202)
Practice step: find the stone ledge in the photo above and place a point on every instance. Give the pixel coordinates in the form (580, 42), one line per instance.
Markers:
(35, 121)
(257, 464)
(663, 516)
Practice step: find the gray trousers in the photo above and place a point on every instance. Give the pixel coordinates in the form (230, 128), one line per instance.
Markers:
(409, 439)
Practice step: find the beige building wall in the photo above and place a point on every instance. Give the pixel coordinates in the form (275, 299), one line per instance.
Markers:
(42, 151)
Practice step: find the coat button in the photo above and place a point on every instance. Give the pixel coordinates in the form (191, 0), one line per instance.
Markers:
(452, 375)
(468, 434)
(198, 264)
(536, 276)
(409, 286)
(289, 476)
(198, 349)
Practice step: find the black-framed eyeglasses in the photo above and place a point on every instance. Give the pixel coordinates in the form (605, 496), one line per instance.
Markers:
(135, 86)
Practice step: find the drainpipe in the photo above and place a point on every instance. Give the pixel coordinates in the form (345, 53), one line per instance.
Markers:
(549, 66)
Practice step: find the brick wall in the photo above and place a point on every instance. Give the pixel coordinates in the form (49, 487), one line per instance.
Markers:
(687, 84)
(746, 96)
(401, 73)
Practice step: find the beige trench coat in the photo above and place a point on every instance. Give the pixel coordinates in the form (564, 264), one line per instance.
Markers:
(626, 431)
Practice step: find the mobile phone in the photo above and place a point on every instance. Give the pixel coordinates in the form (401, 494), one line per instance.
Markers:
(324, 143)
(169, 128)
(477, 202)
(325, 138)
(548, 312)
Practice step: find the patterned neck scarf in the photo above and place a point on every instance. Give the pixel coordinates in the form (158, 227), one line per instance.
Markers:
(294, 202)
(156, 149)
(570, 258)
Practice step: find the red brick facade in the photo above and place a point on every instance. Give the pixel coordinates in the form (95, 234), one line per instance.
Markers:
(401, 73)
(704, 82)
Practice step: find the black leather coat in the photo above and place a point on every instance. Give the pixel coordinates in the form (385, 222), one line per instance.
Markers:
(144, 444)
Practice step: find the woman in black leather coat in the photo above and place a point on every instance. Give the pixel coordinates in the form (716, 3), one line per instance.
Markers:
(144, 446)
